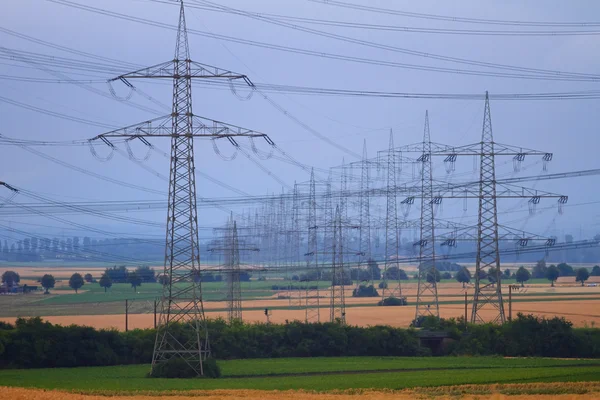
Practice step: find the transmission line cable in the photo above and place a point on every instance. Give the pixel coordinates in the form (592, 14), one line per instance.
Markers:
(388, 11)
(557, 75)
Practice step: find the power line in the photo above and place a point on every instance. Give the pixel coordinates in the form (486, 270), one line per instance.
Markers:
(557, 77)
(398, 49)
(389, 11)
(404, 29)
(320, 91)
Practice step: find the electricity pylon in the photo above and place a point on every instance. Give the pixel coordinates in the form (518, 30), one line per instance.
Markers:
(229, 245)
(391, 289)
(296, 237)
(427, 297)
(181, 301)
(338, 300)
(234, 288)
(488, 256)
(487, 190)
(364, 254)
(312, 261)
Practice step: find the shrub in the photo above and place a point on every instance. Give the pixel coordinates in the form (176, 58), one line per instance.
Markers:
(179, 368)
(365, 291)
(211, 368)
(393, 301)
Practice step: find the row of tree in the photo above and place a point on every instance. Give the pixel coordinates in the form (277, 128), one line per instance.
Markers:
(32, 343)
(553, 272)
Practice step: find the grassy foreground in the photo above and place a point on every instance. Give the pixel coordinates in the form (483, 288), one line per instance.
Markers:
(318, 374)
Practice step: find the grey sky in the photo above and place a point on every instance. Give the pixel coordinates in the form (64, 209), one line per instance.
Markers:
(566, 128)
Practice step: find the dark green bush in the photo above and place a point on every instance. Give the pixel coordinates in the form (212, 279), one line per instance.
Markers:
(365, 291)
(177, 367)
(211, 368)
(33, 343)
(393, 301)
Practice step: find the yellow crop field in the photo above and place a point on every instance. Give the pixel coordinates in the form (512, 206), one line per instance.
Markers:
(579, 312)
(533, 391)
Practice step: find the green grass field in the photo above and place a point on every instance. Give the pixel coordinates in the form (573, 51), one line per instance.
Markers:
(320, 374)
(93, 293)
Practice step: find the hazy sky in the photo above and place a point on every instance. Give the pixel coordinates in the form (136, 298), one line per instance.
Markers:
(566, 128)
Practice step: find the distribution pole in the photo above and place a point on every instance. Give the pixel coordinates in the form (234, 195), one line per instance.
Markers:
(488, 257)
(391, 289)
(427, 296)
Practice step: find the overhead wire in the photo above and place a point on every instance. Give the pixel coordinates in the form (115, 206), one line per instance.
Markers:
(454, 19)
(557, 76)
(406, 51)
(406, 29)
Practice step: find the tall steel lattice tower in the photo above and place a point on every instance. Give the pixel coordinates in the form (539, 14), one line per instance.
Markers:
(295, 295)
(487, 294)
(427, 296)
(338, 300)
(234, 289)
(487, 190)
(391, 289)
(312, 261)
(326, 213)
(364, 254)
(181, 301)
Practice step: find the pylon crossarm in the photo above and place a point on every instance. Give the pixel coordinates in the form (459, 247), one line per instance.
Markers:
(196, 70)
(201, 127)
(438, 224)
(468, 233)
(436, 148)
(474, 149)
(506, 191)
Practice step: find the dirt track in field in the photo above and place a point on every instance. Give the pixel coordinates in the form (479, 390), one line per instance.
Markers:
(534, 391)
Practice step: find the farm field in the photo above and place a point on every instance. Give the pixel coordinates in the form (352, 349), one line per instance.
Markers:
(536, 391)
(93, 307)
(317, 374)
(579, 312)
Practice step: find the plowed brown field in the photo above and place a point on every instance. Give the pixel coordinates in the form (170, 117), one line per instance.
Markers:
(535, 391)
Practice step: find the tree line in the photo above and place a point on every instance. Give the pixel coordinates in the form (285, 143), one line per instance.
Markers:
(33, 343)
(116, 274)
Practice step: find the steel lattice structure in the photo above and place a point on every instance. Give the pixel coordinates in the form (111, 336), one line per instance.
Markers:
(296, 238)
(487, 190)
(487, 294)
(364, 254)
(234, 288)
(391, 289)
(181, 301)
(230, 246)
(312, 301)
(427, 287)
(338, 301)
